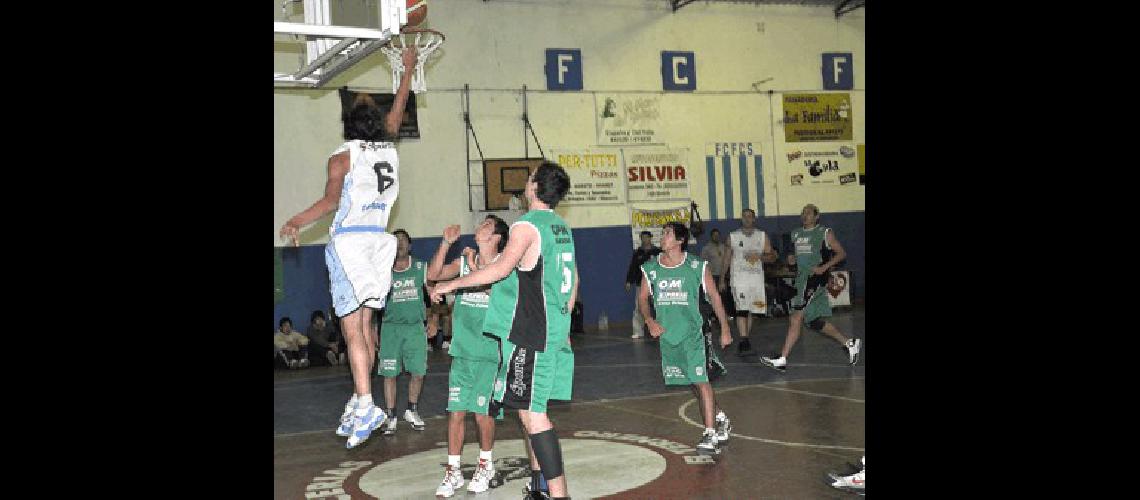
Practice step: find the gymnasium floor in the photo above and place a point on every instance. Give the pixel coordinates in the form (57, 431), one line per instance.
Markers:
(623, 436)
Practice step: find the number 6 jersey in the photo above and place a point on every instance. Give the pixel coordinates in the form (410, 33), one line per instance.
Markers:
(370, 187)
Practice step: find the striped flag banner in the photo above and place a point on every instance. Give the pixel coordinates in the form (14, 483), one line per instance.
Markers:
(735, 173)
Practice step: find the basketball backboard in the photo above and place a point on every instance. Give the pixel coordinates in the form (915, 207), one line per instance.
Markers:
(336, 34)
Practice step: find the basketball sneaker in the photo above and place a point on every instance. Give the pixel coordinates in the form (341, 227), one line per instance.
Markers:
(345, 428)
(481, 480)
(779, 363)
(362, 426)
(855, 483)
(723, 427)
(709, 444)
(413, 418)
(853, 348)
(452, 480)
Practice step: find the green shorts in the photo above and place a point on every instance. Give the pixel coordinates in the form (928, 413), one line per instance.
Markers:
(471, 384)
(528, 379)
(686, 362)
(402, 347)
(811, 297)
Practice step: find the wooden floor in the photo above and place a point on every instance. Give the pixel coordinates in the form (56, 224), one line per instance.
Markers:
(624, 436)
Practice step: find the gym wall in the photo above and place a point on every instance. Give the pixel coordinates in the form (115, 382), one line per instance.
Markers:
(741, 52)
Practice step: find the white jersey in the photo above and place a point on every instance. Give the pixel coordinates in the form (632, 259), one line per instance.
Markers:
(742, 246)
(363, 206)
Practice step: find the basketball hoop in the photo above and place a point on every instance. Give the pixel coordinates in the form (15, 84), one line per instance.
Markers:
(425, 41)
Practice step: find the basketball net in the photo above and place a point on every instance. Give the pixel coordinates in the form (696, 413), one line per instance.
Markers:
(425, 41)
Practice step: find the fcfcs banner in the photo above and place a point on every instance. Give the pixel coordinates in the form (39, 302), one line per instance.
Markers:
(735, 173)
(596, 177)
(821, 165)
(657, 174)
(627, 119)
(652, 220)
(817, 117)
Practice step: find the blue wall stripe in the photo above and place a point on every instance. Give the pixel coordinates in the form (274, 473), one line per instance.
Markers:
(726, 168)
(759, 187)
(744, 183)
(710, 166)
(601, 251)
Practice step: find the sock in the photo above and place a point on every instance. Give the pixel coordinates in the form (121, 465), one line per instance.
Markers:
(411, 406)
(710, 430)
(453, 461)
(363, 401)
(485, 455)
(352, 402)
(392, 412)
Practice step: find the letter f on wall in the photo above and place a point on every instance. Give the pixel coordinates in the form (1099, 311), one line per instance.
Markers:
(563, 69)
(838, 73)
(837, 68)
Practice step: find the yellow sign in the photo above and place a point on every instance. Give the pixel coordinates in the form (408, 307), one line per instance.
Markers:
(596, 176)
(817, 117)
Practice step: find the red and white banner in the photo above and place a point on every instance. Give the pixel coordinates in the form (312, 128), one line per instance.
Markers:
(657, 174)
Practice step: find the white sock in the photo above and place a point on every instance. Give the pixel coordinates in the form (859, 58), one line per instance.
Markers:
(720, 415)
(363, 403)
(352, 402)
(710, 430)
(453, 461)
(485, 455)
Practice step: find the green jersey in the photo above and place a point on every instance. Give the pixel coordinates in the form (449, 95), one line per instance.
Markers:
(467, 339)
(406, 299)
(676, 294)
(811, 248)
(531, 308)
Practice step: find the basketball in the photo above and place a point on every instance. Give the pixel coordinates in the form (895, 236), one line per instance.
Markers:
(416, 16)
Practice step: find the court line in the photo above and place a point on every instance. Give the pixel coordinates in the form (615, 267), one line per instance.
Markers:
(685, 405)
(605, 402)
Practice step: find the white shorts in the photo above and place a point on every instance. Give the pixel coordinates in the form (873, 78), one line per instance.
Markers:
(360, 270)
(748, 293)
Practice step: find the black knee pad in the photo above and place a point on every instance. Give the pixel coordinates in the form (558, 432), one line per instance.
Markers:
(548, 452)
(817, 324)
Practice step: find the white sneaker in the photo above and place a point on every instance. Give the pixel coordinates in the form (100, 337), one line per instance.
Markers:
(779, 363)
(452, 480)
(413, 418)
(637, 336)
(481, 480)
(343, 358)
(853, 348)
(709, 444)
(445, 344)
(390, 426)
(305, 363)
(331, 356)
(345, 428)
(723, 427)
(293, 363)
(362, 426)
(856, 482)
